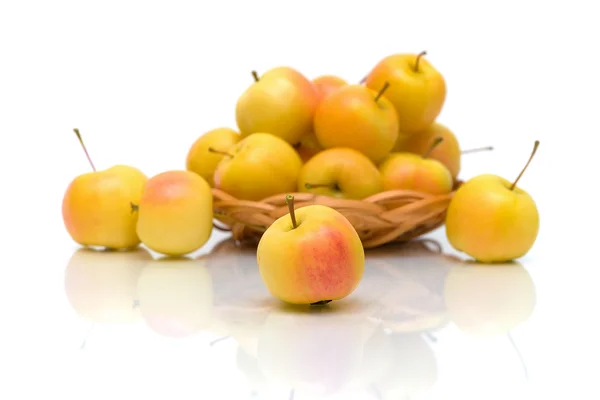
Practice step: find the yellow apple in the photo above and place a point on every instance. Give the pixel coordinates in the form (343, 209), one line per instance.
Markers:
(448, 152)
(282, 102)
(417, 89)
(357, 117)
(175, 213)
(206, 152)
(176, 296)
(340, 172)
(409, 171)
(101, 286)
(96, 207)
(311, 255)
(259, 166)
(492, 219)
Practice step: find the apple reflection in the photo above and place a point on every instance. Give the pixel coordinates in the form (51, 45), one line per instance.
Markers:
(375, 340)
(176, 296)
(489, 300)
(101, 285)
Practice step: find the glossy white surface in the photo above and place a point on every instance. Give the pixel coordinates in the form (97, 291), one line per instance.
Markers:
(142, 80)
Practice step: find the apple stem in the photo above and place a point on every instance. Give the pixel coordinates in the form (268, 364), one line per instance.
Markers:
(255, 76)
(386, 85)
(476, 150)
(435, 143)
(223, 153)
(289, 199)
(419, 56)
(363, 80)
(84, 148)
(535, 147)
(134, 207)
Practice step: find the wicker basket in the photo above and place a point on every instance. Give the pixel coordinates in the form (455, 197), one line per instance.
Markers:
(391, 216)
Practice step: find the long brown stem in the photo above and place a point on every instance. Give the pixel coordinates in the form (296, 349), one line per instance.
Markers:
(477, 150)
(535, 147)
(386, 85)
(223, 153)
(419, 56)
(289, 199)
(435, 143)
(84, 148)
(255, 76)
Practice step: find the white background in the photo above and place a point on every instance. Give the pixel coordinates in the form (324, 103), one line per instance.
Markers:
(143, 79)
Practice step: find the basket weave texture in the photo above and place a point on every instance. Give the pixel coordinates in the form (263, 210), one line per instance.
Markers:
(390, 216)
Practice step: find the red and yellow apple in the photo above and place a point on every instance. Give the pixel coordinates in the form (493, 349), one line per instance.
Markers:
(259, 166)
(417, 89)
(357, 117)
(409, 171)
(491, 219)
(340, 172)
(308, 147)
(175, 213)
(447, 152)
(96, 207)
(282, 102)
(311, 255)
(327, 84)
(202, 157)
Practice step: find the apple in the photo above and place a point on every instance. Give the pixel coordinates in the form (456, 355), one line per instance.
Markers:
(96, 207)
(316, 354)
(282, 102)
(342, 173)
(357, 117)
(308, 147)
(101, 285)
(492, 219)
(487, 302)
(417, 89)
(203, 161)
(312, 255)
(176, 296)
(175, 213)
(327, 84)
(409, 171)
(259, 166)
(448, 152)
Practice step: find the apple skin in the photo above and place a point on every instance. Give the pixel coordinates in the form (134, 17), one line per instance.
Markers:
(96, 207)
(282, 102)
(175, 213)
(491, 223)
(350, 117)
(308, 147)
(327, 84)
(204, 162)
(418, 96)
(176, 296)
(448, 152)
(410, 171)
(321, 259)
(101, 286)
(487, 302)
(262, 165)
(350, 174)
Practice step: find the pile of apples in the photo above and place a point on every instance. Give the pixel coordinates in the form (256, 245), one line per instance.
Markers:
(323, 136)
